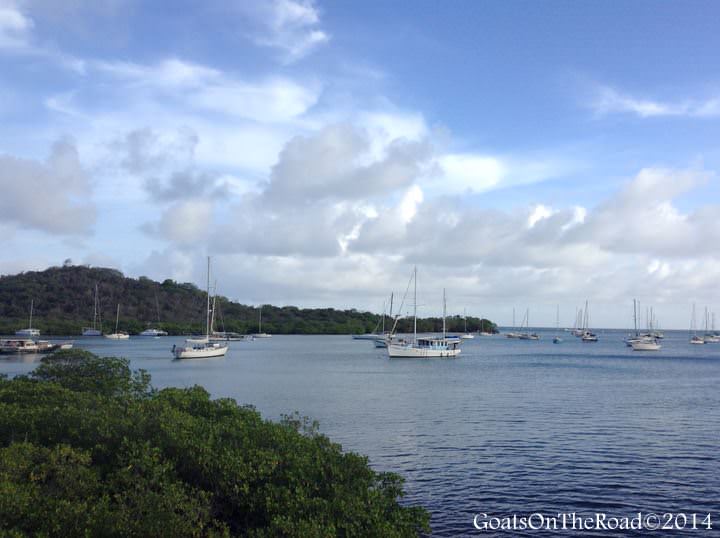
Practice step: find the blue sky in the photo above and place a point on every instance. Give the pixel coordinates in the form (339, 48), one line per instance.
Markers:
(523, 154)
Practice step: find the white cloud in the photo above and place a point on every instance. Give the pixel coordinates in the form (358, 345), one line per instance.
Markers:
(15, 26)
(54, 196)
(270, 100)
(470, 173)
(185, 223)
(611, 101)
(290, 26)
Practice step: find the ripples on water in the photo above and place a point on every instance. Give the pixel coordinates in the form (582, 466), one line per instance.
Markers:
(509, 427)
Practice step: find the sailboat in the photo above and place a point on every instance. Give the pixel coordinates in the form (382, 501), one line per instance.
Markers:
(513, 334)
(424, 347)
(526, 322)
(466, 335)
(709, 337)
(695, 339)
(557, 339)
(383, 342)
(646, 342)
(376, 333)
(117, 335)
(29, 332)
(587, 334)
(260, 333)
(201, 348)
(155, 333)
(94, 331)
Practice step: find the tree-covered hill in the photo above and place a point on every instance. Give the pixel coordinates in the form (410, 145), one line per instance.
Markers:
(64, 296)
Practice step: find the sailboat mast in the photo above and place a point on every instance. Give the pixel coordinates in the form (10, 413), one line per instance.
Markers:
(32, 301)
(214, 303)
(95, 305)
(383, 318)
(260, 320)
(444, 312)
(415, 306)
(117, 318)
(635, 315)
(207, 314)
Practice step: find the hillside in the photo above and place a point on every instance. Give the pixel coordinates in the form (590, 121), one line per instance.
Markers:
(63, 298)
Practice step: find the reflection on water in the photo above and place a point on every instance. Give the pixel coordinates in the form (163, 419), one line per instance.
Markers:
(510, 426)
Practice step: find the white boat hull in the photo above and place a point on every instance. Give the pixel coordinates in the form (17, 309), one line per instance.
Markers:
(200, 352)
(646, 346)
(153, 332)
(412, 352)
(117, 336)
(30, 333)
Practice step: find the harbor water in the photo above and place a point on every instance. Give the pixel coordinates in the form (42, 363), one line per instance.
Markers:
(509, 427)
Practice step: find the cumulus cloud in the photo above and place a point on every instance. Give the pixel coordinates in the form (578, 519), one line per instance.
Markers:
(321, 190)
(184, 223)
(52, 196)
(335, 163)
(166, 163)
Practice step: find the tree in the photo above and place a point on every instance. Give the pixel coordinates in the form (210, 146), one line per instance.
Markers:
(89, 448)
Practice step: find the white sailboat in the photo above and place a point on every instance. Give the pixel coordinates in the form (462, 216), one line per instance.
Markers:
(155, 333)
(642, 342)
(527, 335)
(466, 335)
(587, 334)
(117, 335)
(29, 332)
(425, 347)
(557, 339)
(513, 334)
(260, 333)
(695, 339)
(201, 348)
(94, 331)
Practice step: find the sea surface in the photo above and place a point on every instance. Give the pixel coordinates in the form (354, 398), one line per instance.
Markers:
(509, 427)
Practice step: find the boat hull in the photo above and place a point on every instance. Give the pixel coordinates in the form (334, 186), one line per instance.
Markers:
(646, 346)
(91, 332)
(366, 336)
(413, 352)
(200, 352)
(117, 336)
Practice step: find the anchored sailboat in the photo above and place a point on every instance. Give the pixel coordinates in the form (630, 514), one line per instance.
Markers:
(201, 348)
(117, 335)
(260, 333)
(424, 347)
(94, 330)
(29, 332)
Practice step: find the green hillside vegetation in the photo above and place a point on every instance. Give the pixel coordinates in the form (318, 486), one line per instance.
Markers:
(89, 448)
(64, 299)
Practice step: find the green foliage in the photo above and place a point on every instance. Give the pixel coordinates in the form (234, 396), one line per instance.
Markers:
(64, 298)
(88, 448)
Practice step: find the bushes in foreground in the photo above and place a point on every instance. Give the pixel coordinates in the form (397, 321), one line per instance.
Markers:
(89, 448)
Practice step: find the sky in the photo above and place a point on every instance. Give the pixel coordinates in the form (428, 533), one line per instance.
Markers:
(523, 155)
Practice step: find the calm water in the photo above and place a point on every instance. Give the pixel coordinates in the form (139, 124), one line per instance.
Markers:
(511, 426)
